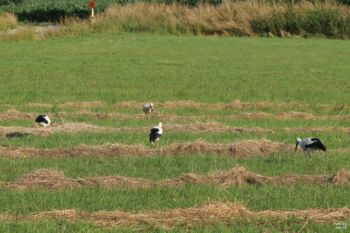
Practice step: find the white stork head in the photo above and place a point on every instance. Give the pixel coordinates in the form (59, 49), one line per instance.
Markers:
(160, 124)
(297, 142)
(151, 106)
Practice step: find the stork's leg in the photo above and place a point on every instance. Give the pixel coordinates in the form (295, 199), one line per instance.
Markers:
(309, 154)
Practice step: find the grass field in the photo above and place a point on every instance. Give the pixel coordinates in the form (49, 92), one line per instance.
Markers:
(213, 92)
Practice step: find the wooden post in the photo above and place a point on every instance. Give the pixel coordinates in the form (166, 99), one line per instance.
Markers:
(92, 15)
(92, 6)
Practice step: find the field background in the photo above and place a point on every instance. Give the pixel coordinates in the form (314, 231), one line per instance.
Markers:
(300, 88)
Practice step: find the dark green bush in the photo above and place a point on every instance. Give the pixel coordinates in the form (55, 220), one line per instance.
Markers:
(8, 2)
(55, 10)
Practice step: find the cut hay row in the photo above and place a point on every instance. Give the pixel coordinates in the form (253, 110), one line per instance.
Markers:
(17, 115)
(212, 127)
(245, 148)
(235, 104)
(51, 179)
(17, 131)
(209, 213)
(183, 104)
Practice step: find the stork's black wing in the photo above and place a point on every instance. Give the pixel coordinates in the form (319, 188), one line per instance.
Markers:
(154, 135)
(317, 145)
(154, 130)
(41, 119)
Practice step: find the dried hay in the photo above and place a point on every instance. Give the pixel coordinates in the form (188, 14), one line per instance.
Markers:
(238, 176)
(115, 181)
(130, 104)
(182, 104)
(6, 217)
(55, 128)
(70, 214)
(43, 178)
(13, 114)
(253, 115)
(319, 129)
(235, 104)
(295, 115)
(40, 105)
(245, 148)
(209, 213)
(83, 127)
(325, 216)
(342, 177)
(91, 104)
(214, 127)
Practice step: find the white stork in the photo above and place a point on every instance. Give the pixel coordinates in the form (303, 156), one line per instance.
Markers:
(156, 133)
(43, 120)
(309, 144)
(148, 109)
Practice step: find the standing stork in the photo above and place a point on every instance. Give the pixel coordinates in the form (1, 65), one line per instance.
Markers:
(156, 133)
(309, 144)
(148, 109)
(43, 120)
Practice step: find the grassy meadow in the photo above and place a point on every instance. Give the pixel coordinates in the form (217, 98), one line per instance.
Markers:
(292, 87)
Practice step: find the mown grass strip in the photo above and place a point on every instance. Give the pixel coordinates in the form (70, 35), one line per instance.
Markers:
(160, 167)
(239, 226)
(160, 198)
(301, 110)
(222, 72)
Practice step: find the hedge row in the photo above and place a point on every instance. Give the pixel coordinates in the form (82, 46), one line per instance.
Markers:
(55, 10)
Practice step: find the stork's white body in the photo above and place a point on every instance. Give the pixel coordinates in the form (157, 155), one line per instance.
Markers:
(310, 144)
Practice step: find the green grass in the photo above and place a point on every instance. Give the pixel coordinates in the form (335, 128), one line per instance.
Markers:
(119, 67)
(334, 140)
(95, 199)
(145, 67)
(239, 226)
(159, 167)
